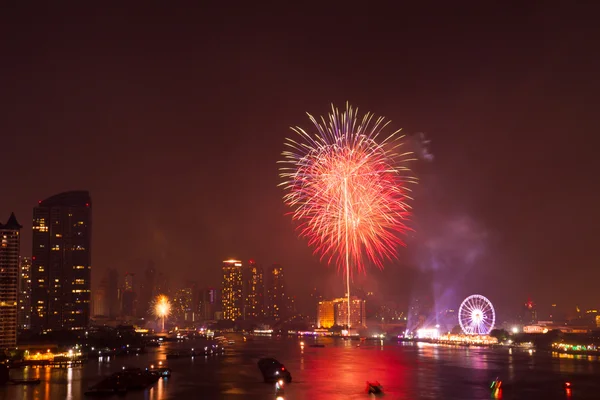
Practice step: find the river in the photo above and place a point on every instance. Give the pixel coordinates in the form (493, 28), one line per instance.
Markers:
(337, 371)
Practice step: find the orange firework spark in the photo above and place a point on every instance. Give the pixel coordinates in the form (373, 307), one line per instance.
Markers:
(161, 308)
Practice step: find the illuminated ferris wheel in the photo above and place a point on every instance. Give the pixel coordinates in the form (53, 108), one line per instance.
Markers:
(476, 315)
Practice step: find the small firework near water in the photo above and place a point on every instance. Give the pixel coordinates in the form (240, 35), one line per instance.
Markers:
(346, 183)
(161, 308)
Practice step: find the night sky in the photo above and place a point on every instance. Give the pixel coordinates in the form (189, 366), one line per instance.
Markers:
(174, 119)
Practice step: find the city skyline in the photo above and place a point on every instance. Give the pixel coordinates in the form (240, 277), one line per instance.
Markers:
(190, 301)
(139, 310)
(175, 127)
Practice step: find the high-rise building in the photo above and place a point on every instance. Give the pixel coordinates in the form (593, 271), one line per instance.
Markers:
(315, 298)
(129, 281)
(209, 303)
(529, 313)
(99, 301)
(61, 262)
(181, 308)
(10, 241)
(325, 314)
(24, 305)
(233, 288)
(358, 313)
(254, 291)
(112, 293)
(129, 296)
(335, 312)
(196, 299)
(215, 298)
(276, 297)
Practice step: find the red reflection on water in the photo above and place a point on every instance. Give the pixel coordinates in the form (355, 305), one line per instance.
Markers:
(333, 373)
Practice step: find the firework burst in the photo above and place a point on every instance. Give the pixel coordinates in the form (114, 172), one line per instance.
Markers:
(347, 186)
(161, 308)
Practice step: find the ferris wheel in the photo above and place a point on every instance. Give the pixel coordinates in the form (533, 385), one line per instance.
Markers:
(476, 315)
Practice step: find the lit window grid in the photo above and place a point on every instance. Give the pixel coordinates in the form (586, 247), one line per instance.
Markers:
(232, 299)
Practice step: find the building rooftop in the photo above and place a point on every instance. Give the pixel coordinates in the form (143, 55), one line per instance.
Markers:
(75, 198)
(12, 223)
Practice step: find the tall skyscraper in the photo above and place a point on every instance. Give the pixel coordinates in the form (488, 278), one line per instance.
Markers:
(112, 293)
(10, 241)
(315, 297)
(24, 305)
(99, 301)
(196, 300)
(254, 291)
(181, 308)
(209, 303)
(129, 296)
(233, 289)
(62, 262)
(276, 297)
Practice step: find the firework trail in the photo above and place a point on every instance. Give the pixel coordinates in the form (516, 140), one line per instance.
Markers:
(347, 187)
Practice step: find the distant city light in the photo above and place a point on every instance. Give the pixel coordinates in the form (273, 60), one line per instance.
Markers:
(428, 333)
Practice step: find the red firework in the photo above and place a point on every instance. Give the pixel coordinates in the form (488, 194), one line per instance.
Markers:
(347, 187)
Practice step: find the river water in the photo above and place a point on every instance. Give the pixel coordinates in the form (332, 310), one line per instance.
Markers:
(337, 371)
